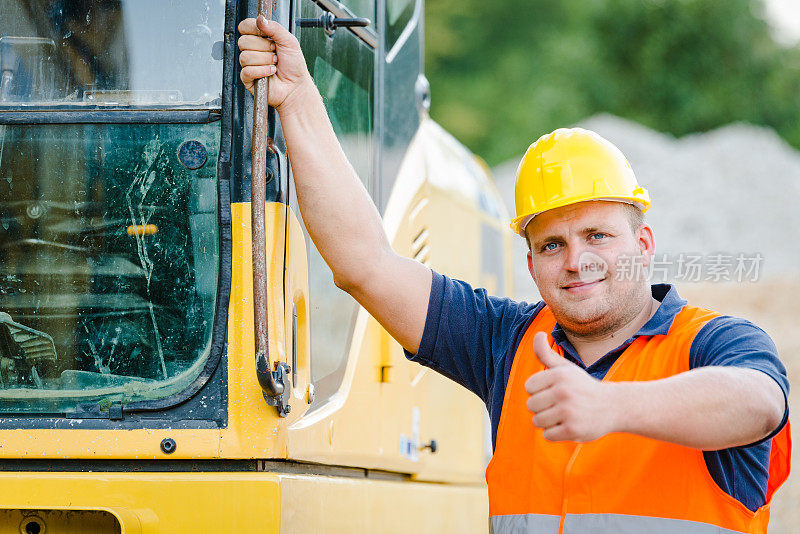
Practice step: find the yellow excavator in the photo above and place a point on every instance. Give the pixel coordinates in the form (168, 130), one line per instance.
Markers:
(174, 354)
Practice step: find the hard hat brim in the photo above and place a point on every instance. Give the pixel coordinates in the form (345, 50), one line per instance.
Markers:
(519, 224)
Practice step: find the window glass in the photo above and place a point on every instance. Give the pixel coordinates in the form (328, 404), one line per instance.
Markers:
(349, 108)
(361, 8)
(123, 52)
(108, 262)
(398, 14)
(343, 69)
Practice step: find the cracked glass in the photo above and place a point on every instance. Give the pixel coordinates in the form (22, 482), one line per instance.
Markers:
(108, 262)
(108, 232)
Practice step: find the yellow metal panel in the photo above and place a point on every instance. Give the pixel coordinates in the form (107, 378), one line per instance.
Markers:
(449, 414)
(362, 425)
(62, 522)
(297, 294)
(347, 505)
(254, 428)
(149, 503)
(345, 430)
(95, 444)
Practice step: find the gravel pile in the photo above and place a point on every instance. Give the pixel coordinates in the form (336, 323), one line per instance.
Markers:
(733, 191)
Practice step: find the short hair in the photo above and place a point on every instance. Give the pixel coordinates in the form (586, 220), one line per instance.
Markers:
(635, 220)
(635, 216)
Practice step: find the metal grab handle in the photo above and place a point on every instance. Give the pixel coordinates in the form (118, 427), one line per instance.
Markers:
(329, 22)
(274, 383)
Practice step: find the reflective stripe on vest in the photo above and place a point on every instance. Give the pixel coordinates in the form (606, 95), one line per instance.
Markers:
(600, 524)
(621, 482)
(524, 523)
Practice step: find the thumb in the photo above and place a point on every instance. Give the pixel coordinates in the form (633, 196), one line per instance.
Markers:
(546, 355)
(272, 30)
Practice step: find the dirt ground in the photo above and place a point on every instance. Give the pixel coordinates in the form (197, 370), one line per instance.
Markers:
(774, 306)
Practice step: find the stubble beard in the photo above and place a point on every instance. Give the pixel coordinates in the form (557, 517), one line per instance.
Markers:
(604, 314)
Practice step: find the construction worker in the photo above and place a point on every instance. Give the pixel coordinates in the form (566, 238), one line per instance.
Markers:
(615, 406)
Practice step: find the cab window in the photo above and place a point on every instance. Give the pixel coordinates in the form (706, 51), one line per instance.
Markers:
(398, 15)
(137, 52)
(108, 232)
(361, 8)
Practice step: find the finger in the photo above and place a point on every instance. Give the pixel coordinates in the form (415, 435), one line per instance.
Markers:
(249, 57)
(248, 82)
(248, 27)
(257, 27)
(254, 42)
(546, 355)
(541, 401)
(274, 31)
(548, 418)
(558, 433)
(249, 74)
(539, 381)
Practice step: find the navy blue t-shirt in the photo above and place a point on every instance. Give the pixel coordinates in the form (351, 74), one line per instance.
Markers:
(472, 338)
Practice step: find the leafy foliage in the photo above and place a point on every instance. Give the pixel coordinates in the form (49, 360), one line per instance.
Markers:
(504, 72)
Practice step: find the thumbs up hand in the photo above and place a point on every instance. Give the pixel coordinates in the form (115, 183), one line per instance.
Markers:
(567, 402)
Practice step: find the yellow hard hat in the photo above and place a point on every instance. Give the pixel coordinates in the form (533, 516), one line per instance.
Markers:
(572, 165)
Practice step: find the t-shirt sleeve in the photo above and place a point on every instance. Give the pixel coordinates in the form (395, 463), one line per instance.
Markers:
(467, 333)
(742, 472)
(731, 341)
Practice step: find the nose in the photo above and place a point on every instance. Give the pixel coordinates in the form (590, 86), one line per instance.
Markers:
(572, 262)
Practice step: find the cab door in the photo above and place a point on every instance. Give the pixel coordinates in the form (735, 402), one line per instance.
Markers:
(371, 408)
(342, 65)
(343, 416)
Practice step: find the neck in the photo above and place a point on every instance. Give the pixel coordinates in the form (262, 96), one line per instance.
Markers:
(591, 347)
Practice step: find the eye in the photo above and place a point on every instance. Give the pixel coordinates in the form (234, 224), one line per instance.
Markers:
(597, 236)
(549, 247)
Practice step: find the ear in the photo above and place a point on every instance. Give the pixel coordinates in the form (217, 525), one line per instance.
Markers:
(530, 266)
(646, 241)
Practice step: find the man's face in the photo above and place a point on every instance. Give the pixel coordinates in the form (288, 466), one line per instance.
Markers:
(575, 255)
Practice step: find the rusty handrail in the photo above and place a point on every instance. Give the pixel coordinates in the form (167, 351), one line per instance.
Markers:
(266, 379)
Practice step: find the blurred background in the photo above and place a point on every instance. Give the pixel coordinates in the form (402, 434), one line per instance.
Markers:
(702, 96)
(501, 71)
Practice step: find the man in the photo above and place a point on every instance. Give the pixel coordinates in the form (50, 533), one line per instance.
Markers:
(648, 415)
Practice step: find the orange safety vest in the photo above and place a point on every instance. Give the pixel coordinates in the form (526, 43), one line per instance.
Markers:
(620, 483)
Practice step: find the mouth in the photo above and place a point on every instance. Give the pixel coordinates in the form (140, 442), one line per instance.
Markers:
(577, 288)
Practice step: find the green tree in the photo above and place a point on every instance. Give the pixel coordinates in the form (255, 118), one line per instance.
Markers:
(504, 72)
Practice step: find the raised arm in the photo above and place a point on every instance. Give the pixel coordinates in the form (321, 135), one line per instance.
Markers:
(340, 217)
